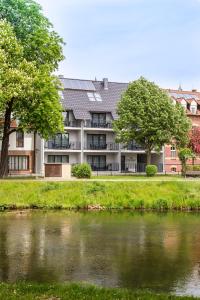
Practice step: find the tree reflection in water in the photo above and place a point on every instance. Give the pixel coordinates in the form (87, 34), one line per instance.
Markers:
(142, 250)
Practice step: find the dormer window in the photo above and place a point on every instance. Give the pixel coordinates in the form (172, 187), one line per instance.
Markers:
(184, 104)
(193, 107)
(94, 96)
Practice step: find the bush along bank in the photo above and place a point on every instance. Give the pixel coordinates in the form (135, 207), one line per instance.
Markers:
(184, 195)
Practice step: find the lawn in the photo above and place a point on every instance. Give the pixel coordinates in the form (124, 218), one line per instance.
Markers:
(158, 195)
(138, 177)
(25, 291)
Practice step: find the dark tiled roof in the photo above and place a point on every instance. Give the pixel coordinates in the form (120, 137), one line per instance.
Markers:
(78, 101)
(75, 96)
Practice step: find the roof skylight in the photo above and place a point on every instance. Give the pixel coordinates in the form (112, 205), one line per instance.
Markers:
(94, 97)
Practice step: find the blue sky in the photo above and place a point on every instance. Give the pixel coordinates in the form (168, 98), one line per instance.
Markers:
(124, 39)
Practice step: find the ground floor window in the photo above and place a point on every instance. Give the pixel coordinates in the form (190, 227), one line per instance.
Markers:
(62, 159)
(97, 162)
(18, 163)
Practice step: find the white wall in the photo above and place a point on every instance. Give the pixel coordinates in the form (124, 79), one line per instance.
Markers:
(28, 142)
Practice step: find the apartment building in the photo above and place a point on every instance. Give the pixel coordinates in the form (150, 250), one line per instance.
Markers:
(190, 100)
(89, 108)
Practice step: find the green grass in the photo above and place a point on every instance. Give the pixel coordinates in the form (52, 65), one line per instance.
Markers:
(138, 177)
(25, 291)
(109, 195)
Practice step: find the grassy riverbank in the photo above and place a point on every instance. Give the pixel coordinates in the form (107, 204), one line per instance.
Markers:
(25, 291)
(110, 195)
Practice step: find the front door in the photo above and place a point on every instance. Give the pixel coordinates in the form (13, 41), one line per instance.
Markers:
(141, 162)
(123, 163)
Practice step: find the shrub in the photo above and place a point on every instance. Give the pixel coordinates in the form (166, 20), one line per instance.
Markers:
(151, 170)
(82, 171)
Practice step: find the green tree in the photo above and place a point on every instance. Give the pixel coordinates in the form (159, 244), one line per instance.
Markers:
(41, 43)
(148, 116)
(184, 155)
(28, 93)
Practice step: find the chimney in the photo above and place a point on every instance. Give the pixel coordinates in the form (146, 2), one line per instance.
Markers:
(105, 83)
(194, 90)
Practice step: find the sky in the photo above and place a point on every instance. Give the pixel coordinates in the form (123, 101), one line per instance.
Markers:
(125, 39)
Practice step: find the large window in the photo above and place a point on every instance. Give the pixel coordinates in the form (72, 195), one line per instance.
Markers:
(60, 141)
(99, 120)
(173, 151)
(97, 162)
(19, 139)
(18, 163)
(62, 159)
(96, 141)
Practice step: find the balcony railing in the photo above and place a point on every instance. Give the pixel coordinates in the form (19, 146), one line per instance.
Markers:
(131, 147)
(107, 146)
(112, 167)
(93, 124)
(75, 123)
(128, 168)
(138, 167)
(63, 146)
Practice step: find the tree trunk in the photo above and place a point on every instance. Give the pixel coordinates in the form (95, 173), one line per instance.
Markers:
(148, 152)
(5, 141)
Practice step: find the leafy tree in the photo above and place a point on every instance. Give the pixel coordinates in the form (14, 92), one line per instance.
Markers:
(184, 155)
(41, 43)
(148, 116)
(28, 93)
(195, 140)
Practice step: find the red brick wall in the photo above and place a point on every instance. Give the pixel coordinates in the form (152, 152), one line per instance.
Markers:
(31, 156)
(175, 162)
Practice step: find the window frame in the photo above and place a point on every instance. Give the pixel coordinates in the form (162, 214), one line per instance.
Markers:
(173, 152)
(17, 162)
(19, 139)
(54, 160)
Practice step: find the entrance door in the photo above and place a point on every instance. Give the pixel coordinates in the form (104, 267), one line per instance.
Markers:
(123, 163)
(141, 162)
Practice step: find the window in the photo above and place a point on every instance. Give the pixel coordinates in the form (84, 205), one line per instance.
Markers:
(98, 119)
(18, 163)
(62, 159)
(97, 162)
(94, 96)
(96, 141)
(19, 139)
(60, 141)
(173, 169)
(173, 151)
(193, 109)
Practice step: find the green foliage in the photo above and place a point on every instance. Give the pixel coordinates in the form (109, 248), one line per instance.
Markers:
(96, 187)
(151, 170)
(148, 116)
(149, 194)
(184, 155)
(40, 42)
(32, 291)
(82, 170)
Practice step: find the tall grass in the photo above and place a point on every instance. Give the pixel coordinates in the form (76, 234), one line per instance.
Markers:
(28, 291)
(109, 195)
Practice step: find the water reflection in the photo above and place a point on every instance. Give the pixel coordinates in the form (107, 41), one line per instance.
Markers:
(156, 251)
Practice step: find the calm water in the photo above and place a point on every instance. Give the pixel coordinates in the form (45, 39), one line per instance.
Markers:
(135, 250)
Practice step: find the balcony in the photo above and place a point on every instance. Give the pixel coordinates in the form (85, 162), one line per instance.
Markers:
(93, 124)
(138, 168)
(112, 167)
(75, 123)
(131, 147)
(107, 146)
(63, 146)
